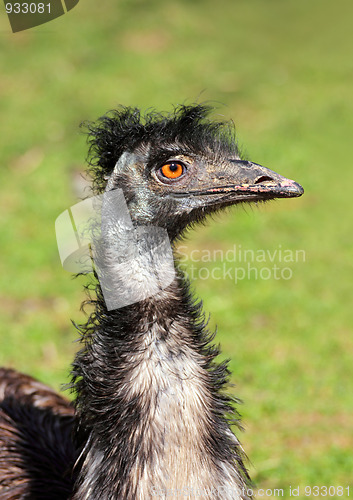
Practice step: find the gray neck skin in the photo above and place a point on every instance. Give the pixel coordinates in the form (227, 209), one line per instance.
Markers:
(152, 417)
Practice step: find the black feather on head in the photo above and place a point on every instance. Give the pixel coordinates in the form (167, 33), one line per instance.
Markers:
(126, 129)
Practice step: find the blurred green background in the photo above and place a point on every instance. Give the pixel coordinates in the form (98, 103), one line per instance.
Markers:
(283, 71)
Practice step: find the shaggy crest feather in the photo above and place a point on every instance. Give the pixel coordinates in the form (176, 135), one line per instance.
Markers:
(127, 129)
(151, 416)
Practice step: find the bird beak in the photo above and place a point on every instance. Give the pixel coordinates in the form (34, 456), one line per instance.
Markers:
(246, 181)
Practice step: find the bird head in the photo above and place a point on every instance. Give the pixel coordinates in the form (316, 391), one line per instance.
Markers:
(176, 169)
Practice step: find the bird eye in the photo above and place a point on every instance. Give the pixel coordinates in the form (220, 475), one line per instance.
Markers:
(172, 170)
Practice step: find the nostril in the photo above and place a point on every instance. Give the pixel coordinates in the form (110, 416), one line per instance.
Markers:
(263, 179)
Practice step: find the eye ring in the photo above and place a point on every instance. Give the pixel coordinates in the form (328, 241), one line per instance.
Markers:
(171, 170)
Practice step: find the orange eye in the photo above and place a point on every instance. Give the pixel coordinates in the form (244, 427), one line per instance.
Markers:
(172, 170)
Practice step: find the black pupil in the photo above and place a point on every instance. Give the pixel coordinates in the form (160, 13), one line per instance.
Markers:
(174, 167)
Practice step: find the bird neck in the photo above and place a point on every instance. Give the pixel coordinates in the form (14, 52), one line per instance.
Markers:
(152, 418)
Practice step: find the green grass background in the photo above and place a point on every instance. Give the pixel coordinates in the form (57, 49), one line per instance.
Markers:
(283, 71)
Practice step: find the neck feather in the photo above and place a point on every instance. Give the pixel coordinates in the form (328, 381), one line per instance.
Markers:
(152, 416)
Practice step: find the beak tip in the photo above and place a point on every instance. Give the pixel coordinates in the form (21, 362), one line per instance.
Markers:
(298, 190)
(291, 188)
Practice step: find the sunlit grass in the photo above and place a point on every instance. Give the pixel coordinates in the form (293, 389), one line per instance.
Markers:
(283, 71)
